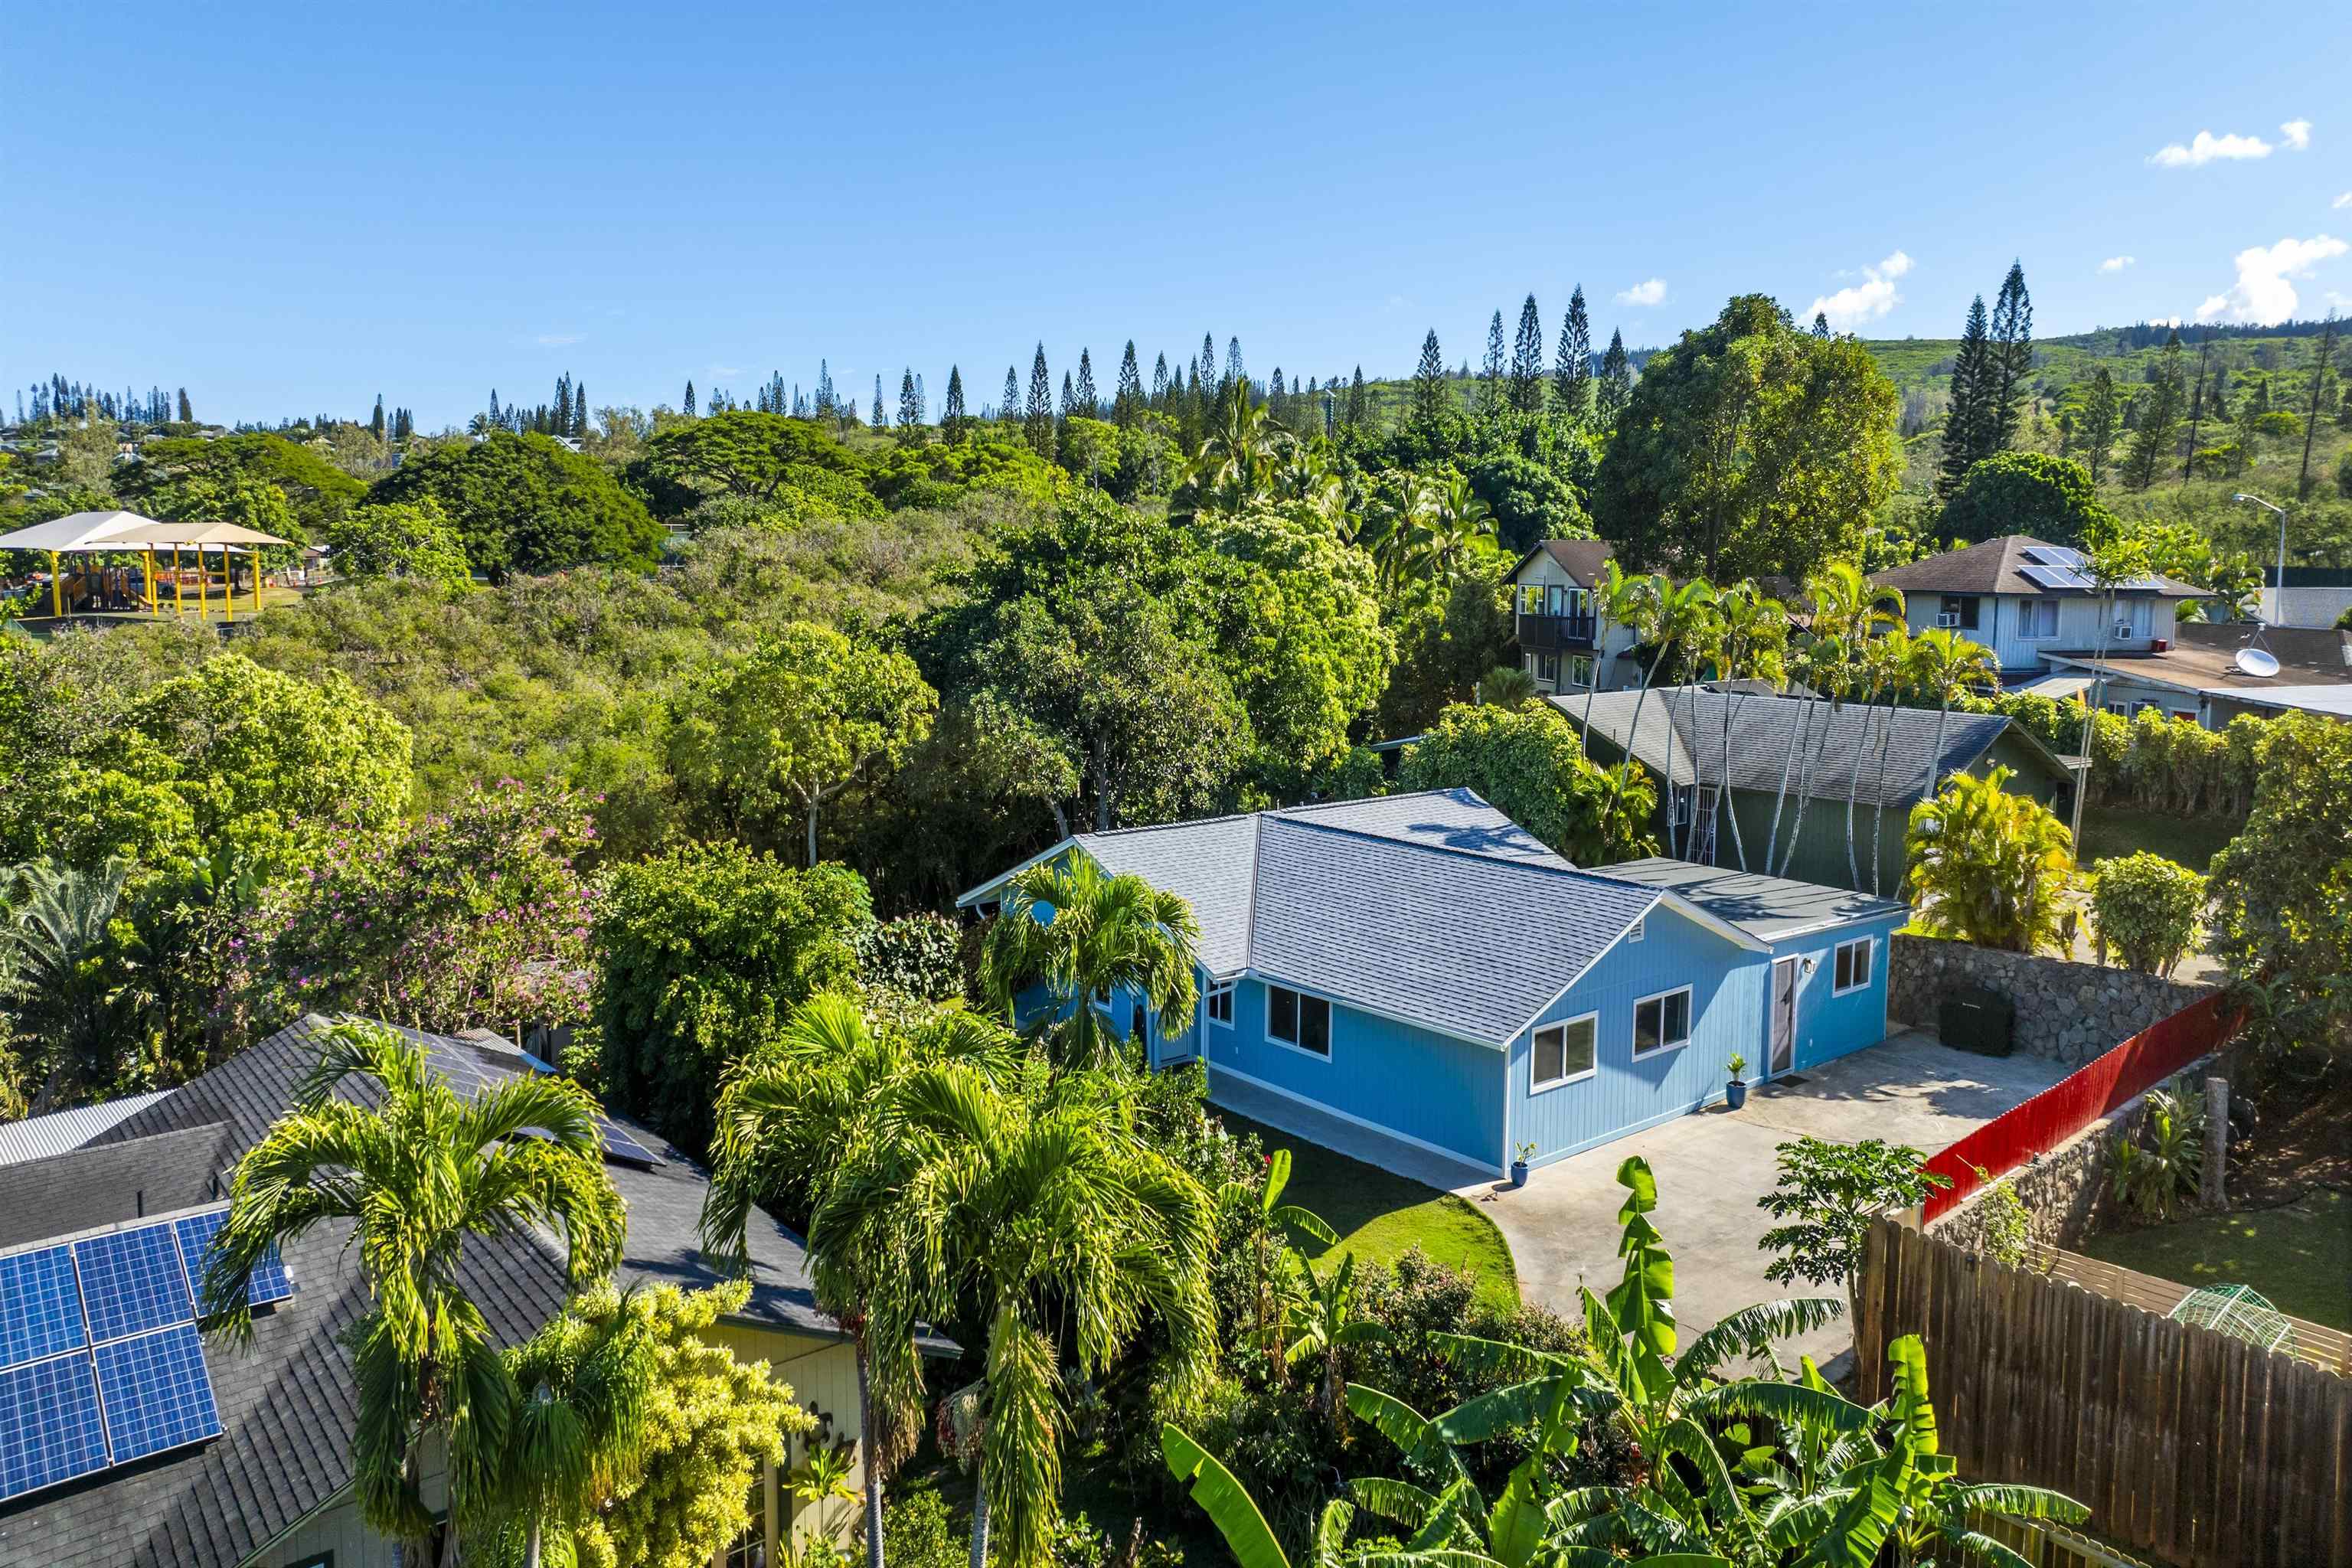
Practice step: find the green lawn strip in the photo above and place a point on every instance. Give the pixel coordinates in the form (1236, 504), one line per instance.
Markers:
(2299, 1255)
(2113, 832)
(1381, 1215)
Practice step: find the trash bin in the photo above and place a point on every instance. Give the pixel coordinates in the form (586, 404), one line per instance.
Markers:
(1975, 1019)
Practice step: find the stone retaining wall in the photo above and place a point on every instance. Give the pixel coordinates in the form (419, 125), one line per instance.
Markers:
(2067, 1012)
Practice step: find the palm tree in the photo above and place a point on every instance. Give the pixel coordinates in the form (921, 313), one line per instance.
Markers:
(74, 996)
(418, 1174)
(1666, 614)
(1990, 867)
(1041, 1209)
(1628, 602)
(1944, 665)
(1236, 457)
(1754, 629)
(583, 1389)
(1698, 649)
(790, 1118)
(1855, 611)
(1506, 686)
(1890, 657)
(1086, 935)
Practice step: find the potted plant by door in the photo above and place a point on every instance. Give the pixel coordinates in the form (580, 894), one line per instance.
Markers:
(1735, 1093)
(1521, 1154)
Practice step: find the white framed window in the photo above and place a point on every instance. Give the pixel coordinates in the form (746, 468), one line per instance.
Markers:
(1562, 1052)
(1219, 1003)
(1548, 668)
(1531, 598)
(1302, 1022)
(1580, 670)
(1661, 1023)
(2037, 619)
(1851, 967)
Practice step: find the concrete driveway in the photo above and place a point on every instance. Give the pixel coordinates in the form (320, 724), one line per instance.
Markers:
(1713, 1165)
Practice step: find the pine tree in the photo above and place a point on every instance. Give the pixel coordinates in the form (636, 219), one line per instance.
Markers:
(187, 412)
(690, 400)
(2196, 403)
(1087, 404)
(1527, 360)
(579, 410)
(2102, 419)
(1069, 405)
(880, 421)
(375, 420)
(496, 419)
(1616, 385)
(1204, 369)
(953, 417)
(1159, 381)
(1127, 402)
(1968, 427)
(2159, 418)
(1037, 418)
(2322, 364)
(1492, 392)
(2012, 359)
(1822, 325)
(1234, 375)
(910, 412)
(1433, 400)
(1572, 374)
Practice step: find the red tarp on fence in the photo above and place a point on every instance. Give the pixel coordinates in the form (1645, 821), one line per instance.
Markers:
(2073, 1103)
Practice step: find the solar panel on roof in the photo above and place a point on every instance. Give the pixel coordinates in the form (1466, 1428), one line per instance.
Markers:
(158, 1393)
(49, 1426)
(268, 1282)
(2056, 576)
(131, 1281)
(41, 1309)
(2054, 554)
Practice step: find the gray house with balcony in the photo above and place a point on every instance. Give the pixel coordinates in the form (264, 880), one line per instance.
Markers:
(1565, 642)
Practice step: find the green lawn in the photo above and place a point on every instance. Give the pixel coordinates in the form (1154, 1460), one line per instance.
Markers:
(1381, 1215)
(2110, 831)
(2299, 1257)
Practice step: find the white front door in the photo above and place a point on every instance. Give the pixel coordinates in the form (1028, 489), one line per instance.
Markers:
(1784, 1017)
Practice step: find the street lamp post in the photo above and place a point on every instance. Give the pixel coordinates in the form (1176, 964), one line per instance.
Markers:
(2278, 605)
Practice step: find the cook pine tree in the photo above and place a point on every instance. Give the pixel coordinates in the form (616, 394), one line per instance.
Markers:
(1572, 374)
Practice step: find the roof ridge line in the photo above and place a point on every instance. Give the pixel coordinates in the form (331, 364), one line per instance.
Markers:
(1567, 868)
(1249, 917)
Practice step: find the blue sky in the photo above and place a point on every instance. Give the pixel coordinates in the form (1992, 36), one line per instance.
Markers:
(290, 210)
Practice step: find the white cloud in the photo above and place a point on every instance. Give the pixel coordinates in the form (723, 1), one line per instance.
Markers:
(2165, 321)
(2343, 201)
(1858, 303)
(724, 370)
(2205, 147)
(559, 339)
(2297, 133)
(2263, 293)
(2116, 263)
(1650, 291)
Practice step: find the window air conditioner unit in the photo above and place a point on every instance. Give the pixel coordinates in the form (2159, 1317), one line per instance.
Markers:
(2123, 628)
(1949, 620)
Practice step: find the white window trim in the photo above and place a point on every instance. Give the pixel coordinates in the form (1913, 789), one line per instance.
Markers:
(1633, 1027)
(2023, 620)
(1218, 988)
(1869, 946)
(1548, 1084)
(1270, 988)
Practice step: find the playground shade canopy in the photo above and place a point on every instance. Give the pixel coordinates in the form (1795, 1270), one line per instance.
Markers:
(81, 531)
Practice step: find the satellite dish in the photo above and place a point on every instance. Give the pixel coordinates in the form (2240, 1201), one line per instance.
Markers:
(2257, 662)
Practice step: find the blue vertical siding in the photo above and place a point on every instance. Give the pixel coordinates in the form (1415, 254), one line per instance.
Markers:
(1434, 1091)
(1829, 1026)
(1728, 998)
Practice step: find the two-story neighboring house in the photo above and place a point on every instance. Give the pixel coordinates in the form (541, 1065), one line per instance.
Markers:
(2028, 600)
(1565, 642)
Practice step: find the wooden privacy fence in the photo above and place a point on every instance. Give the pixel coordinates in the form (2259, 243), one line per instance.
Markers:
(2314, 1342)
(2082, 1097)
(2202, 1450)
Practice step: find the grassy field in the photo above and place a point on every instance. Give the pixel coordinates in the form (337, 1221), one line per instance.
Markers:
(2299, 1255)
(2111, 832)
(1380, 1215)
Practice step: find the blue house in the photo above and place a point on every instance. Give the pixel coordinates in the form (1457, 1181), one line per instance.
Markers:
(1421, 966)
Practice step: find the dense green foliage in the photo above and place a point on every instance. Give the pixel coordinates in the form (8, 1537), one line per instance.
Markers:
(2282, 889)
(701, 952)
(2146, 908)
(2026, 492)
(1989, 866)
(1528, 765)
(525, 503)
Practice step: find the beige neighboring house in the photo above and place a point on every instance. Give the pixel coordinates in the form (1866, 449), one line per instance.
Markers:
(1564, 641)
(248, 1466)
(2031, 603)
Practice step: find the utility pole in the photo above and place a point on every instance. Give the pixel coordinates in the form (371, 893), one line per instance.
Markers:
(2278, 605)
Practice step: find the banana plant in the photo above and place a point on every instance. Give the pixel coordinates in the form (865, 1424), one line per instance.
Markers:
(1269, 1214)
(1321, 1324)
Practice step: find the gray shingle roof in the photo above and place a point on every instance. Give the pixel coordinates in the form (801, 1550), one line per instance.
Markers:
(1465, 943)
(286, 1404)
(1771, 908)
(1996, 567)
(1433, 908)
(1764, 729)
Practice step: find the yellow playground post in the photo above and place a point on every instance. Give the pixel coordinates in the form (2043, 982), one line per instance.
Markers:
(179, 588)
(150, 579)
(56, 588)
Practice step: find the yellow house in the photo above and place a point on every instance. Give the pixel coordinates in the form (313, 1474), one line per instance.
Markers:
(143, 1443)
